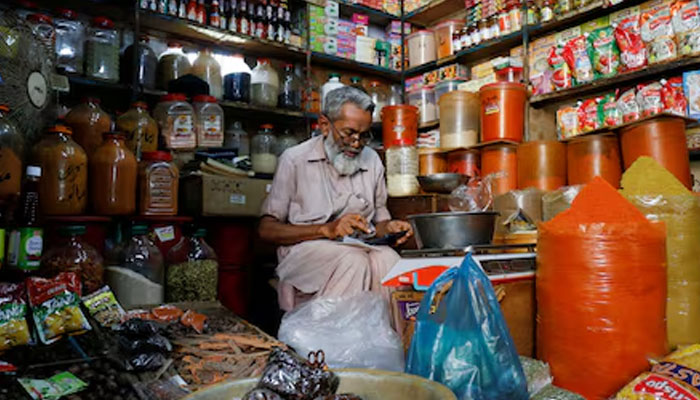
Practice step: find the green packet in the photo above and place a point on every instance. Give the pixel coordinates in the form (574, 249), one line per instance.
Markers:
(59, 385)
(104, 307)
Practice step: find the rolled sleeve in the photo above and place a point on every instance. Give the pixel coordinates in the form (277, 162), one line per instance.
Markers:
(381, 213)
(283, 187)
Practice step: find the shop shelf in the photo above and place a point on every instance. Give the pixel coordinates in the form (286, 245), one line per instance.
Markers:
(249, 108)
(434, 11)
(351, 65)
(376, 17)
(429, 125)
(652, 72)
(82, 83)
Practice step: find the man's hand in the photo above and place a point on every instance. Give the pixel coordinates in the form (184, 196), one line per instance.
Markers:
(395, 226)
(344, 226)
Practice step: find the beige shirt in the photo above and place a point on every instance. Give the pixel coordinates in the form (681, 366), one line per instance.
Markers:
(307, 189)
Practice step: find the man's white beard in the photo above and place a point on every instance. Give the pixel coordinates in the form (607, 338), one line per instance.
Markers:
(343, 164)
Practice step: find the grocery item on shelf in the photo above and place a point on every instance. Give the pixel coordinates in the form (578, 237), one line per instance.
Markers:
(628, 106)
(43, 28)
(509, 74)
(237, 138)
(72, 254)
(402, 168)
(445, 87)
(421, 47)
(500, 159)
(542, 165)
(685, 19)
(459, 120)
(113, 172)
(395, 98)
(146, 64)
(541, 76)
(262, 150)
(603, 52)
(209, 117)
(237, 81)
(444, 32)
(379, 98)
(464, 161)
(70, 40)
(141, 255)
(264, 84)
(502, 111)
(657, 31)
(140, 129)
(88, 122)
(102, 50)
(588, 115)
(11, 156)
(609, 114)
(208, 69)
(14, 330)
(399, 122)
(356, 82)
(26, 243)
(175, 117)
(63, 184)
(633, 51)
(649, 99)
(330, 85)
(567, 121)
(192, 270)
(290, 89)
(431, 161)
(670, 373)
(285, 141)
(562, 77)
(172, 64)
(158, 184)
(576, 53)
(424, 100)
(591, 156)
(691, 87)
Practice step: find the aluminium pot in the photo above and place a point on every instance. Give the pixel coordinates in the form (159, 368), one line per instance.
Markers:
(453, 230)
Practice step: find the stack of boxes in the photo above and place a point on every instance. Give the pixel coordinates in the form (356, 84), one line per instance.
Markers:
(393, 37)
(346, 39)
(317, 23)
(364, 45)
(446, 73)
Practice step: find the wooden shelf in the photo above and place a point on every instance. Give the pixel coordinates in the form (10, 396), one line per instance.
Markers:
(351, 65)
(250, 108)
(611, 130)
(433, 12)
(376, 17)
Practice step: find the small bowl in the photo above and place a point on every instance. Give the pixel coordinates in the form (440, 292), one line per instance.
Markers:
(442, 183)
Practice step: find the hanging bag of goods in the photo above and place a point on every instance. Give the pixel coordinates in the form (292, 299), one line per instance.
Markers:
(661, 197)
(601, 292)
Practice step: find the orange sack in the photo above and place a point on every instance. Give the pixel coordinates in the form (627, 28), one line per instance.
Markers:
(601, 292)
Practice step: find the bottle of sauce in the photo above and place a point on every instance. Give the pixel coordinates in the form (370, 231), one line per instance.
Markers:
(11, 151)
(88, 122)
(113, 171)
(26, 240)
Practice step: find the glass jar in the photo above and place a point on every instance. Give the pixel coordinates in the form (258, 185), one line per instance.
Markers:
(172, 64)
(533, 13)
(237, 138)
(43, 29)
(88, 122)
(208, 69)
(175, 117)
(113, 170)
(11, 154)
(237, 82)
(210, 121)
(546, 12)
(290, 89)
(262, 150)
(264, 84)
(142, 256)
(102, 50)
(146, 64)
(140, 129)
(193, 272)
(158, 184)
(73, 254)
(285, 141)
(70, 37)
(402, 169)
(424, 99)
(396, 97)
(64, 165)
(379, 98)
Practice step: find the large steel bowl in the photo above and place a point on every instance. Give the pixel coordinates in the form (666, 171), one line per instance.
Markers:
(453, 230)
(444, 182)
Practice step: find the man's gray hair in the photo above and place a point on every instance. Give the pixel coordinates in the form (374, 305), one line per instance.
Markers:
(337, 98)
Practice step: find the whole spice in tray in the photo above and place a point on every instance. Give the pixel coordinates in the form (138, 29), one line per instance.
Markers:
(192, 281)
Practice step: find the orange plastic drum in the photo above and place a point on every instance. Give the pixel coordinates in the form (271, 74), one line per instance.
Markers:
(502, 111)
(542, 165)
(594, 155)
(463, 162)
(662, 139)
(431, 161)
(501, 158)
(399, 122)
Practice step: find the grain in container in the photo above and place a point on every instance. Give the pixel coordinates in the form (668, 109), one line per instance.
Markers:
(399, 122)
(500, 159)
(443, 36)
(421, 47)
(502, 111)
(542, 165)
(402, 168)
(593, 155)
(431, 161)
(424, 99)
(445, 87)
(459, 122)
(463, 161)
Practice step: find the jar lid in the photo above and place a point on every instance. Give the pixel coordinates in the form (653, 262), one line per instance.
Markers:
(33, 170)
(502, 85)
(140, 104)
(66, 13)
(174, 97)
(267, 126)
(58, 128)
(38, 17)
(355, 79)
(448, 22)
(200, 233)
(402, 142)
(204, 98)
(157, 156)
(103, 22)
(334, 75)
(374, 84)
(4, 108)
(139, 229)
(72, 230)
(263, 60)
(175, 44)
(420, 33)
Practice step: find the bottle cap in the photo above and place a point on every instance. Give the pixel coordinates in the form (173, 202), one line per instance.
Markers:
(33, 170)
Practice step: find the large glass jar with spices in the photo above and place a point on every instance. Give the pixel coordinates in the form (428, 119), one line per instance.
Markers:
(11, 154)
(236, 137)
(72, 254)
(158, 184)
(210, 121)
(113, 171)
(64, 165)
(146, 64)
(142, 256)
(263, 148)
(264, 84)
(88, 122)
(70, 38)
(43, 29)
(140, 129)
(175, 117)
(208, 69)
(192, 272)
(285, 141)
(402, 168)
(172, 64)
(379, 98)
(290, 89)
(102, 50)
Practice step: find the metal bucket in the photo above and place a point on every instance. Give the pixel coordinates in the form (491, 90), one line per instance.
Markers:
(368, 384)
(453, 230)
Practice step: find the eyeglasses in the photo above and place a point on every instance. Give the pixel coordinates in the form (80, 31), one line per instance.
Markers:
(363, 137)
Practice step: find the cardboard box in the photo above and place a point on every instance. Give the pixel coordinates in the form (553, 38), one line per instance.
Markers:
(332, 9)
(414, 83)
(453, 71)
(212, 195)
(331, 27)
(365, 49)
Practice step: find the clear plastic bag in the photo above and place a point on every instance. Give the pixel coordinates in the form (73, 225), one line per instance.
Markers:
(353, 332)
(462, 341)
(476, 195)
(558, 201)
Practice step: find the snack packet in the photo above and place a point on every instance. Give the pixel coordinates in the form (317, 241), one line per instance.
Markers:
(194, 320)
(540, 72)
(576, 55)
(672, 96)
(685, 19)
(608, 113)
(567, 122)
(588, 116)
(104, 307)
(628, 106)
(561, 73)
(691, 87)
(633, 52)
(649, 99)
(604, 52)
(657, 32)
(59, 385)
(14, 330)
(167, 313)
(55, 306)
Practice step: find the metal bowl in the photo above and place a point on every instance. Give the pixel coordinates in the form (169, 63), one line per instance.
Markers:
(442, 183)
(453, 230)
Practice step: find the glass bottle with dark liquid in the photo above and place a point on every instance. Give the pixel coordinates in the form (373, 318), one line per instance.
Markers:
(26, 240)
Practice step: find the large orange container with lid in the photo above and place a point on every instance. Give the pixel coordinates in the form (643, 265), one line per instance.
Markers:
(542, 165)
(594, 155)
(662, 139)
(463, 161)
(443, 36)
(502, 111)
(502, 159)
(399, 122)
(431, 161)
(113, 172)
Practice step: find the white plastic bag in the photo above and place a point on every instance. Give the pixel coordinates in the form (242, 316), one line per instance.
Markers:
(353, 332)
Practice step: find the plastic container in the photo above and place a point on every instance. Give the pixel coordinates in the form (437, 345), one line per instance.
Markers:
(402, 169)
(88, 122)
(421, 47)
(446, 87)
(443, 36)
(396, 96)
(593, 155)
(72, 254)
(64, 166)
(431, 161)
(192, 270)
(209, 117)
(175, 117)
(113, 172)
(158, 184)
(285, 141)
(662, 139)
(43, 28)
(235, 137)
(465, 162)
(264, 84)
(146, 64)
(502, 111)
(424, 100)
(208, 69)
(11, 156)
(332, 84)
(70, 40)
(542, 165)
(142, 256)
(399, 122)
(172, 64)
(509, 74)
(262, 150)
(379, 98)
(501, 159)
(237, 82)
(290, 89)
(140, 129)
(459, 121)
(102, 50)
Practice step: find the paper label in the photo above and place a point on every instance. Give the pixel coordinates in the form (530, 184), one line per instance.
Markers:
(165, 233)
(237, 198)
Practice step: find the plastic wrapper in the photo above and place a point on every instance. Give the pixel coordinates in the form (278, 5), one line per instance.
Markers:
(536, 373)
(155, 343)
(561, 72)
(550, 392)
(353, 332)
(342, 396)
(633, 52)
(604, 53)
(104, 307)
(558, 201)
(145, 362)
(649, 99)
(609, 114)
(657, 31)
(567, 122)
(518, 205)
(576, 55)
(262, 394)
(673, 97)
(53, 388)
(14, 330)
(461, 339)
(628, 106)
(477, 195)
(138, 328)
(167, 313)
(292, 377)
(194, 320)
(685, 19)
(164, 389)
(588, 115)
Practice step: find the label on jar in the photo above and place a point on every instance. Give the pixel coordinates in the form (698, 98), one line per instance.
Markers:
(212, 126)
(182, 126)
(165, 233)
(71, 186)
(491, 106)
(160, 188)
(25, 248)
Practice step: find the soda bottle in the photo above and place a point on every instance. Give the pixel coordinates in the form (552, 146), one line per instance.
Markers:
(26, 240)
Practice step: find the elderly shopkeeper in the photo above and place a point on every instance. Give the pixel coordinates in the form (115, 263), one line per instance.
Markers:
(326, 188)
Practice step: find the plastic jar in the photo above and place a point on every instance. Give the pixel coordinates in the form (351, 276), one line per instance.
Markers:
(235, 137)
(290, 90)
(11, 155)
(502, 111)
(431, 161)
(445, 87)
(379, 98)
(262, 150)
(264, 84)
(509, 74)
(175, 117)
(88, 122)
(210, 121)
(396, 96)
(285, 141)
(501, 159)
(424, 100)
(208, 69)
(421, 47)
(73, 254)
(237, 82)
(172, 64)
(402, 169)
(593, 155)
(142, 256)
(192, 270)
(330, 85)
(399, 122)
(542, 165)
(64, 165)
(43, 29)
(70, 38)
(140, 129)
(113, 172)
(147, 62)
(158, 184)
(465, 162)
(443, 35)
(102, 50)
(459, 121)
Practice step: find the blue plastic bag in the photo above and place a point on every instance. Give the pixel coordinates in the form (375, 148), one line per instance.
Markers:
(462, 341)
